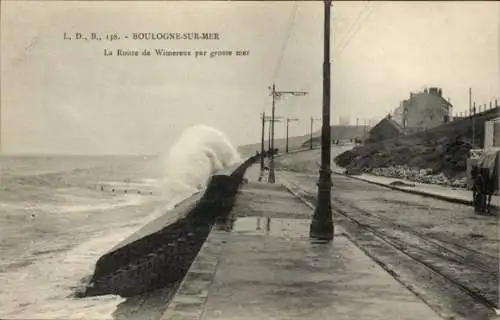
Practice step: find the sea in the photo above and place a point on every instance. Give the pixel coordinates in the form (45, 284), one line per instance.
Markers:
(58, 215)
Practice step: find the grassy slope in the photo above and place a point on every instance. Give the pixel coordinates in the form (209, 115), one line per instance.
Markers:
(341, 132)
(442, 149)
(345, 132)
(293, 143)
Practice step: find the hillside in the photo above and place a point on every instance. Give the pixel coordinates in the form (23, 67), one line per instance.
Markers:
(340, 133)
(293, 143)
(442, 150)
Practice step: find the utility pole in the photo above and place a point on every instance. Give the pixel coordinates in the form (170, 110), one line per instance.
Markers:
(364, 129)
(271, 178)
(277, 94)
(269, 138)
(473, 124)
(311, 133)
(311, 136)
(269, 119)
(263, 116)
(322, 222)
(470, 100)
(288, 119)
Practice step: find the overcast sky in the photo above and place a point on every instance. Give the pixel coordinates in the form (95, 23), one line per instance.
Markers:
(67, 97)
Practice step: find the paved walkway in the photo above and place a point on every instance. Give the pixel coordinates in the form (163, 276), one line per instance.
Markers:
(445, 193)
(262, 265)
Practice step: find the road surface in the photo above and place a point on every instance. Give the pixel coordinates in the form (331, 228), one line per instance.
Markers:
(443, 252)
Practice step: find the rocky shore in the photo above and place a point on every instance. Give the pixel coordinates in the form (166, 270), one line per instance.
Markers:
(419, 175)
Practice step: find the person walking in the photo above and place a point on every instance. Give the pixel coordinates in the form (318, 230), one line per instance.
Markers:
(478, 190)
(474, 172)
(489, 189)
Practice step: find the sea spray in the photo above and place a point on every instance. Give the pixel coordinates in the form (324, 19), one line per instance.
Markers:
(200, 151)
(160, 253)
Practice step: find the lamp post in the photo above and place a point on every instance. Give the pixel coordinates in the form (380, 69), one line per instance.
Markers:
(322, 222)
(288, 119)
(276, 94)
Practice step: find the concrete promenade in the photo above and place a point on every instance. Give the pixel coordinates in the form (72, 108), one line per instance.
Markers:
(261, 264)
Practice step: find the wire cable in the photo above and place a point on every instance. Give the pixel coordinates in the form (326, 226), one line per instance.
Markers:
(287, 37)
(346, 43)
(344, 36)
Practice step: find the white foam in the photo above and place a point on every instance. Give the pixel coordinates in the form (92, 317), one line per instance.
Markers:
(42, 289)
(200, 151)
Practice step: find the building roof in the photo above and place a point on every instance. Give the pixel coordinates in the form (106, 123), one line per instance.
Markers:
(387, 122)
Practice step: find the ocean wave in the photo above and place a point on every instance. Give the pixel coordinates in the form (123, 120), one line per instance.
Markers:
(200, 151)
(64, 227)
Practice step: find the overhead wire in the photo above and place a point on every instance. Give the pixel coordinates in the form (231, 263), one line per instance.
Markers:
(349, 39)
(347, 36)
(285, 41)
(344, 36)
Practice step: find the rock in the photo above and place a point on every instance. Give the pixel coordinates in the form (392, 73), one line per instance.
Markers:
(402, 184)
(416, 175)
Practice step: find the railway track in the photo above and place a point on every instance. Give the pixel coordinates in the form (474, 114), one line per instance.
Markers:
(463, 282)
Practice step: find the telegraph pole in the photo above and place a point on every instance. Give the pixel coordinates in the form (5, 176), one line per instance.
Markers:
(271, 178)
(269, 139)
(322, 222)
(470, 100)
(364, 129)
(269, 119)
(473, 124)
(311, 133)
(287, 124)
(262, 142)
(276, 94)
(311, 136)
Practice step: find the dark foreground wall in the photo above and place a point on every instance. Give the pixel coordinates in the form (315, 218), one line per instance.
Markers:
(161, 253)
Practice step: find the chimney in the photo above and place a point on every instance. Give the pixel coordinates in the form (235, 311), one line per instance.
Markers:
(435, 91)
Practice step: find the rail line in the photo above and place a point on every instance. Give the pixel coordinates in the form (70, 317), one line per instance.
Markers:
(474, 273)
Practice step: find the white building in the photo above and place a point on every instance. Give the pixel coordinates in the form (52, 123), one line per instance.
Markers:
(423, 110)
(492, 133)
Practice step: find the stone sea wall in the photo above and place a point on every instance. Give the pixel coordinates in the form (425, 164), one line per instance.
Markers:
(160, 254)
